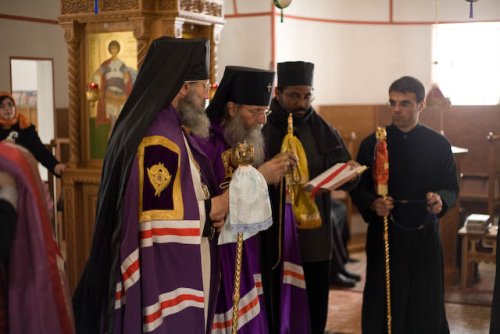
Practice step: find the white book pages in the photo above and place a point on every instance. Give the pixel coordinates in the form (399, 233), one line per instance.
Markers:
(334, 177)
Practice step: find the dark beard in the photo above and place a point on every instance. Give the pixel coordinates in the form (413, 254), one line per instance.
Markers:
(236, 132)
(193, 116)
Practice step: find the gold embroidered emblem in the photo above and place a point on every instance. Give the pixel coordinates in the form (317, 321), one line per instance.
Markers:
(159, 178)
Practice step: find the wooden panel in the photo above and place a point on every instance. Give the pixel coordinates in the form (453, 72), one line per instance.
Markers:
(448, 227)
(80, 194)
(359, 119)
(468, 126)
(62, 122)
(464, 126)
(88, 211)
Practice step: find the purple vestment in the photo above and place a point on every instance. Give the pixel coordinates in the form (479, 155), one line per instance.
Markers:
(294, 309)
(159, 288)
(252, 315)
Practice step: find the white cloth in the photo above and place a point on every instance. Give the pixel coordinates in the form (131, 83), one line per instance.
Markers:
(249, 205)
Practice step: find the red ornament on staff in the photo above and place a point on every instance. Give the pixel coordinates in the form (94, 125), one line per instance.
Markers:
(381, 178)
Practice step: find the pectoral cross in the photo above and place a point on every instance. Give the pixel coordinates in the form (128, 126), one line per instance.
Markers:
(269, 86)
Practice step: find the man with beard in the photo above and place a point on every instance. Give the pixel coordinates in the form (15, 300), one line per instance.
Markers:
(151, 266)
(323, 148)
(237, 112)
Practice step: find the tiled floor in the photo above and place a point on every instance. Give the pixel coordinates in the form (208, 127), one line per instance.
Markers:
(344, 312)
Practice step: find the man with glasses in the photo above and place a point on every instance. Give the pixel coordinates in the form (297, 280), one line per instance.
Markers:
(238, 111)
(323, 147)
(422, 187)
(152, 265)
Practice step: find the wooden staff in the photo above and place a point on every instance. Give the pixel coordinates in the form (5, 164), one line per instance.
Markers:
(381, 175)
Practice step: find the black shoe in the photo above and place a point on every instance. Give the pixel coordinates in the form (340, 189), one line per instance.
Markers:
(342, 281)
(351, 275)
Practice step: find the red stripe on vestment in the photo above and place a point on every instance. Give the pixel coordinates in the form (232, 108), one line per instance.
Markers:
(171, 303)
(182, 232)
(134, 266)
(293, 274)
(245, 309)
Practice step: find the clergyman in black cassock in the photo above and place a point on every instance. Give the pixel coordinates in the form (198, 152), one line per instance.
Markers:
(422, 187)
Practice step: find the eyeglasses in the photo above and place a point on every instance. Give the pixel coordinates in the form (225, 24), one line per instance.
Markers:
(206, 84)
(296, 97)
(257, 113)
(402, 104)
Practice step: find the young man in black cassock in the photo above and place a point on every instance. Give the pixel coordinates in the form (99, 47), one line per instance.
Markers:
(422, 187)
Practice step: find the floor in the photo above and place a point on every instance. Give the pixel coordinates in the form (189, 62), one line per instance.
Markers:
(466, 312)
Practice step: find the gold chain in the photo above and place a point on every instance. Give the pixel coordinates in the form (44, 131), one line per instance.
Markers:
(236, 293)
(387, 274)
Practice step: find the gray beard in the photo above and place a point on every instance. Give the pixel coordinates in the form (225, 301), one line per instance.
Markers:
(193, 116)
(236, 132)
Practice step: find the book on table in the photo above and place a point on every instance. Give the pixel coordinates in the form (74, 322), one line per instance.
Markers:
(334, 177)
(478, 223)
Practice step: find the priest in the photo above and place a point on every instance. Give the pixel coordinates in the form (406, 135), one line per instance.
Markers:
(152, 265)
(323, 148)
(237, 112)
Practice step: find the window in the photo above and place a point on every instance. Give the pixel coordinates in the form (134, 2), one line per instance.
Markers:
(467, 62)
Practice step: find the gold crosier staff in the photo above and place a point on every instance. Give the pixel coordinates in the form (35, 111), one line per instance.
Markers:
(243, 155)
(242, 158)
(237, 274)
(381, 176)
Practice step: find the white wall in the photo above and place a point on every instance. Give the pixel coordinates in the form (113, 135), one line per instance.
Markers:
(45, 103)
(34, 40)
(358, 47)
(245, 41)
(354, 64)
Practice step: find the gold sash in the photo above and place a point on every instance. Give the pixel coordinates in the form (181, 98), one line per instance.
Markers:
(304, 208)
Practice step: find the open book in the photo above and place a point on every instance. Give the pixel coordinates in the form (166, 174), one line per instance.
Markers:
(333, 177)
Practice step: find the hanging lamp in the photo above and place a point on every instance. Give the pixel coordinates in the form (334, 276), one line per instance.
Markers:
(281, 4)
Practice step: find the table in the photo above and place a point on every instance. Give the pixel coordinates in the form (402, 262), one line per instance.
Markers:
(476, 247)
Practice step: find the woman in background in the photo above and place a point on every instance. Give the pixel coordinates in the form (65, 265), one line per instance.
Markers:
(16, 128)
